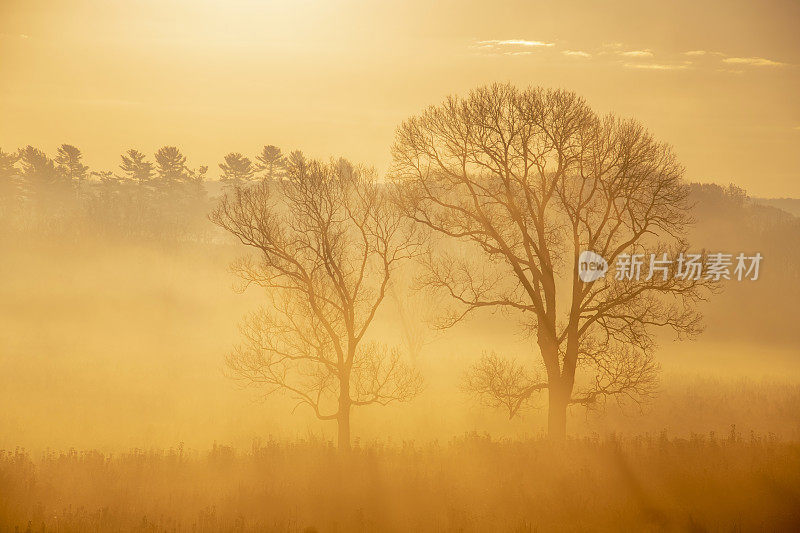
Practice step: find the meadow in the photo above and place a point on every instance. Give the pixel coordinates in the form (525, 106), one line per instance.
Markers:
(118, 415)
(471, 483)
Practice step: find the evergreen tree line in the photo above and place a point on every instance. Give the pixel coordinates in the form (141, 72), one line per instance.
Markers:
(162, 197)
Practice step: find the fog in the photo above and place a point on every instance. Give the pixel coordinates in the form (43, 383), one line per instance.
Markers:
(111, 345)
(307, 344)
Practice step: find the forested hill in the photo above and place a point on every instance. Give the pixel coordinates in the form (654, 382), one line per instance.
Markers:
(790, 205)
(762, 311)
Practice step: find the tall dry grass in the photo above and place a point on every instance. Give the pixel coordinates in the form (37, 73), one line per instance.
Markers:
(708, 482)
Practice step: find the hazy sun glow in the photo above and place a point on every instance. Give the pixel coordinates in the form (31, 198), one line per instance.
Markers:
(355, 265)
(337, 77)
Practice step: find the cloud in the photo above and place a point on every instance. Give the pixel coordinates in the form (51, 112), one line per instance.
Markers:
(637, 53)
(512, 42)
(754, 61)
(576, 53)
(656, 66)
(23, 36)
(510, 47)
(631, 58)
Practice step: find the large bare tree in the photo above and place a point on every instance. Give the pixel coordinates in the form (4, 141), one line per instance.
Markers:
(327, 240)
(524, 181)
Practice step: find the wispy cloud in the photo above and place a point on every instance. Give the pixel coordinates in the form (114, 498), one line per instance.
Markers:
(617, 53)
(513, 42)
(637, 53)
(4, 35)
(657, 66)
(754, 61)
(576, 53)
(510, 47)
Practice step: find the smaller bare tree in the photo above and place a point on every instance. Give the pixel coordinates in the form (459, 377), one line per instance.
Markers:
(327, 240)
(502, 383)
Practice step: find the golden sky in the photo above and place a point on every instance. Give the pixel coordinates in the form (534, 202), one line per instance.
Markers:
(718, 80)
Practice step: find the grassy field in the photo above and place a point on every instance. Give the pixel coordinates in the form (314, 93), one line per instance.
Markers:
(108, 350)
(705, 483)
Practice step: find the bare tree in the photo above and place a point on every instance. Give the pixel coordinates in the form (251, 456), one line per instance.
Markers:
(525, 181)
(502, 383)
(327, 240)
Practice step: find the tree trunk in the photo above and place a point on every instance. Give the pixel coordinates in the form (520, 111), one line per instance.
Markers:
(557, 413)
(343, 417)
(343, 420)
(558, 393)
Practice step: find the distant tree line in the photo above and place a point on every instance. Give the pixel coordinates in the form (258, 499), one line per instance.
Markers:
(161, 197)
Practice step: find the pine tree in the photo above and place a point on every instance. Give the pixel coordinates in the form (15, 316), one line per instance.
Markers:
(271, 163)
(70, 165)
(40, 178)
(137, 168)
(237, 170)
(171, 166)
(10, 190)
